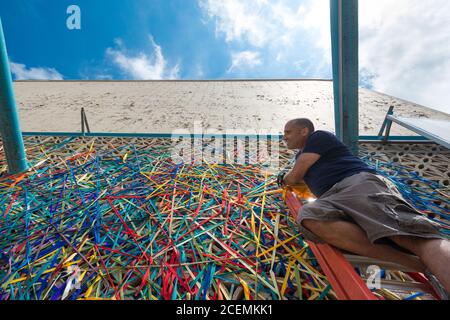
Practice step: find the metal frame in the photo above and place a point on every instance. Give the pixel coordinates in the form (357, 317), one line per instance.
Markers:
(344, 41)
(430, 136)
(9, 117)
(385, 130)
(153, 135)
(207, 136)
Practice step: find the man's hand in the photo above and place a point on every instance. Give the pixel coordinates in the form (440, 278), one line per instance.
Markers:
(280, 178)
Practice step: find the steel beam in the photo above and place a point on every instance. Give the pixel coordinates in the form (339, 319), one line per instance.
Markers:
(9, 118)
(344, 40)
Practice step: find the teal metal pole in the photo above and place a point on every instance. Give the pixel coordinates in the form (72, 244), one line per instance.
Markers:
(9, 119)
(344, 40)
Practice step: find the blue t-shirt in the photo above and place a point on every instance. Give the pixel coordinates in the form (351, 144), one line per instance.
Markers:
(335, 164)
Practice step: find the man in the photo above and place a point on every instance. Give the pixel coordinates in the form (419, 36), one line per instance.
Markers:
(358, 210)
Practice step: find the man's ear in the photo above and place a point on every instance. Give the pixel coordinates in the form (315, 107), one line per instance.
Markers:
(305, 131)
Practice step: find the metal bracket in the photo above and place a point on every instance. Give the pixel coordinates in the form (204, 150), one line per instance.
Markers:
(387, 124)
(84, 122)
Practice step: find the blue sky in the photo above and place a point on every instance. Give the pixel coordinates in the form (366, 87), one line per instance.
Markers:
(37, 36)
(404, 44)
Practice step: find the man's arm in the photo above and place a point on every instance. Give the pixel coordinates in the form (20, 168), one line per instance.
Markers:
(302, 165)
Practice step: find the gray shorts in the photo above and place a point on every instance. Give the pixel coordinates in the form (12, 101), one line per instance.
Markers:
(372, 202)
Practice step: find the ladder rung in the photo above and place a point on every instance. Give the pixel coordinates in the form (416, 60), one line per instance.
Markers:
(404, 286)
(366, 261)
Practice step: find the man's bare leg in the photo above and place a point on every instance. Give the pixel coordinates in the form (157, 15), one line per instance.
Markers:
(350, 237)
(435, 254)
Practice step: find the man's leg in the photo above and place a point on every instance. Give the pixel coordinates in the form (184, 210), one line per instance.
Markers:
(350, 237)
(435, 254)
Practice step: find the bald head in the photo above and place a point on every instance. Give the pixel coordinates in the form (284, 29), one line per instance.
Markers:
(301, 123)
(296, 132)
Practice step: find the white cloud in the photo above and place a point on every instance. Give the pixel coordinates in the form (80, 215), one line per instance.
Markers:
(142, 66)
(405, 46)
(242, 59)
(237, 20)
(287, 30)
(21, 72)
(261, 22)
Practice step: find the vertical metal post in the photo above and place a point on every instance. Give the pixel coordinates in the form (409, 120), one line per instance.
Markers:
(344, 40)
(385, 122)
(82, 121)
(9, 119)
